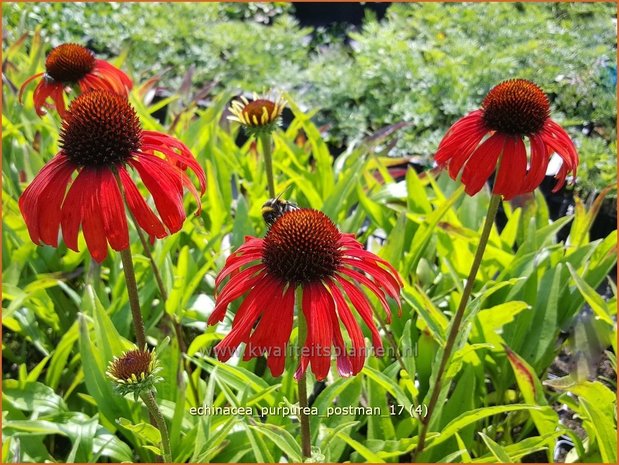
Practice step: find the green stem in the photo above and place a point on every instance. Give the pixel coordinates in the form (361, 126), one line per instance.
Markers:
(392, 342)
(178, 330)
(162, 290)
(265, 139)
(134, 300)
(153, 408)
(495, 201)
(306, 444)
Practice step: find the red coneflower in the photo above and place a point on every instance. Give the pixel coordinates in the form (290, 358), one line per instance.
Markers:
(303, 248)
(70, 64)
(511, 111)
(100, 137)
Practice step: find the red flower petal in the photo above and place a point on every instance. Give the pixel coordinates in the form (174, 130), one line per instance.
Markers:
(119, 80)
(46, 89)
(146, 219)
(464, 128)
(112, 211)
(344, 366)
(382, 277)
(273, 332)
(317, 346)
(234, 263)
(25, 84)
(556, 137)
(73, 207)
(92, 223)
(352, 327)
(511, 174)
(482, 163)
(256, 302)
(40, 203)
(363, 307)
(235, 288)
(538, 165)
(360, 278)
(160, 142)
(164, 183)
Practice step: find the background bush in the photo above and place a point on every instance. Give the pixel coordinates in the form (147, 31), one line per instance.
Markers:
(425, 64)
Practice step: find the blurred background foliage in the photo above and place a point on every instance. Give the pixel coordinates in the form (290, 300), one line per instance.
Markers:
(424, 64)
(535, 377)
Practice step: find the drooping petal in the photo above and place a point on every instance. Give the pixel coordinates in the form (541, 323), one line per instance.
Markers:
(57, 95)
(360, 278)
(40, 203)
(122, 82)
(164, 183)
(317, 346)
(482, 163)
(166, 144)
(25, 84)
(272, 333)
(561, 176)
(256, 302)
(92, 223)
(146, 219)
(351, 248)
(234, 263)
(557, 140)
(538, 164)
(357, 355)
(74, 208)
(113, 211)
(344, 366)
(105, 76)
(461, 130)
(382, 277)
(235, 288)
(363, 307)
(512, 170)
(43, 91)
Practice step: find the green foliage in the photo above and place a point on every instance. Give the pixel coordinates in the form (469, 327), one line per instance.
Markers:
(427, 64)
(65, 317)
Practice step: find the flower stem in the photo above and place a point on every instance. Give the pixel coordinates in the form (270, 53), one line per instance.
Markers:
(392, 342)
(153, 408)
(265, 140)
(134, 300)
(162, 290)
(306, 441)
(178, 330)
(454, 330)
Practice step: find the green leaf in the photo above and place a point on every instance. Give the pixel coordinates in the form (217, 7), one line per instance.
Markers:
(605, 431)
(496, 450)
(473, 416)
(282, 439)
(366, 453)
(145, 431)
(599, 307)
